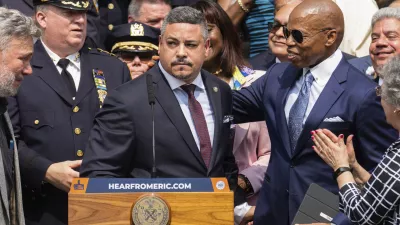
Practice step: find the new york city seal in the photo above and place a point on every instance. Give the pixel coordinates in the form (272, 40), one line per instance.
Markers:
(150, 210)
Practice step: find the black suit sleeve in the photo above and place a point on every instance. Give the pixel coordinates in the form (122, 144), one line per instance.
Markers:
(110, 146)
(33, 166)
(230, 167)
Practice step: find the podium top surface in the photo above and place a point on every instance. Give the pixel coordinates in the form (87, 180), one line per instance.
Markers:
(126, 185)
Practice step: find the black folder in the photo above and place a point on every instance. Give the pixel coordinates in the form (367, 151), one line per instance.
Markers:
(318, 206)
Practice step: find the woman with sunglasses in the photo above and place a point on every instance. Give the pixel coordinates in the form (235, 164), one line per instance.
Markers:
(368, 198)
(251, 143)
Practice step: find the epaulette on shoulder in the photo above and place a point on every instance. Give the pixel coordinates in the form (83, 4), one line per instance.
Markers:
(99, 50)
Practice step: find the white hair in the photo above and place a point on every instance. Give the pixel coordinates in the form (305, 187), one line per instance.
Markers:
(391, 81)
(14, 24)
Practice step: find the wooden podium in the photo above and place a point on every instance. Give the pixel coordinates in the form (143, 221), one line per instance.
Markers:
(115, 201)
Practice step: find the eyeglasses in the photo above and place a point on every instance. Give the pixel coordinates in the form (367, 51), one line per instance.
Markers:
(273, 27)
(378, 91)
(298, 35)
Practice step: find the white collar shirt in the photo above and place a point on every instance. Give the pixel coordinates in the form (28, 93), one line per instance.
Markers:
(321, 73)
(74, 67)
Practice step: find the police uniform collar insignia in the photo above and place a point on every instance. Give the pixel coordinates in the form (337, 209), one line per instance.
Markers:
(101, 86)
(137, 30)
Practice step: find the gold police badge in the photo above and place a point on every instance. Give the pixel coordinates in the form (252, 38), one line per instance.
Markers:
(151, 210)
(137, 30)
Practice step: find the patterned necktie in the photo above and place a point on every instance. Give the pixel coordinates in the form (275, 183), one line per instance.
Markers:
(200, 123)
(66, 76)
(298, 110)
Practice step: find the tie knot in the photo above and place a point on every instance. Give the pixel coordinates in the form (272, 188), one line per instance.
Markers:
(63, 63)
(309, 77)
(189, 88)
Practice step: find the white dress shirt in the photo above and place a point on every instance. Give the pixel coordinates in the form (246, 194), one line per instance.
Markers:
(74, 67)
(321, 73)
(200, 94)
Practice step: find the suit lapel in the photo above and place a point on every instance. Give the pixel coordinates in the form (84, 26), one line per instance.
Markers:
(48, 72)
(326, 100)
(168, 102)
(214, 96)
(86, 83)
(287, 79)
(3, 187)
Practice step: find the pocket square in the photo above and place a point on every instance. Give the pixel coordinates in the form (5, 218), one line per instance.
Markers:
(227, 118)
(334, 119)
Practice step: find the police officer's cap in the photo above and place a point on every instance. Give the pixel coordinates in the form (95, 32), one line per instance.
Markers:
(81, 5)
(134, 37)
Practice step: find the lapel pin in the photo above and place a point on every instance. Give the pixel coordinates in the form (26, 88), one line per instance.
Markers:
(215, 89)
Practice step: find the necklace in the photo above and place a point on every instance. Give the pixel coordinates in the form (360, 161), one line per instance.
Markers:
(217, 72)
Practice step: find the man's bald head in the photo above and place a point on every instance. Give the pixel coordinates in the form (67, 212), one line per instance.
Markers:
(319, 15)
(321, 25)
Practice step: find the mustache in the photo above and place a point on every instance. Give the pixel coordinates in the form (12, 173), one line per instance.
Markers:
(181, 61)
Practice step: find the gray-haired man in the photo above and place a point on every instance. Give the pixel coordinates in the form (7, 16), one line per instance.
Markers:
(192, 138)
(16, 48)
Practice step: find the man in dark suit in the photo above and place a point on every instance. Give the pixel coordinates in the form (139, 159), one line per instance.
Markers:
(319, 89)
(54, 110)
(192, 114)
(382, 47)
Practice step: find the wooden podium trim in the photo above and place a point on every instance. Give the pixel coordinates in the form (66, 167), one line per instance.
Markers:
(194, 208)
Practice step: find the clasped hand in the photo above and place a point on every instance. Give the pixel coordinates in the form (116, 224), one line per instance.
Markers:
(333, 150)
(61, 174)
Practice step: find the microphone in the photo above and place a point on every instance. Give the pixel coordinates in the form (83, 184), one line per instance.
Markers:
(150, 90)
(152, 101)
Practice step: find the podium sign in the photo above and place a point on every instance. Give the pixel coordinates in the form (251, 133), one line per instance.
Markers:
(159, 201)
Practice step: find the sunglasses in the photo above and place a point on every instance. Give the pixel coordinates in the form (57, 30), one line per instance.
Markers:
(378, 91)
(298, 35)
(273, 27)
(129, 57)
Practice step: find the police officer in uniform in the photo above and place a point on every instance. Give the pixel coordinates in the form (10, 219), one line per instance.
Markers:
(55, 107)
(136, 44)
(94, 38)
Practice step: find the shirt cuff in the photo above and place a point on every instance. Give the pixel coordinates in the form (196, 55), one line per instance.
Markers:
(240, 211)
